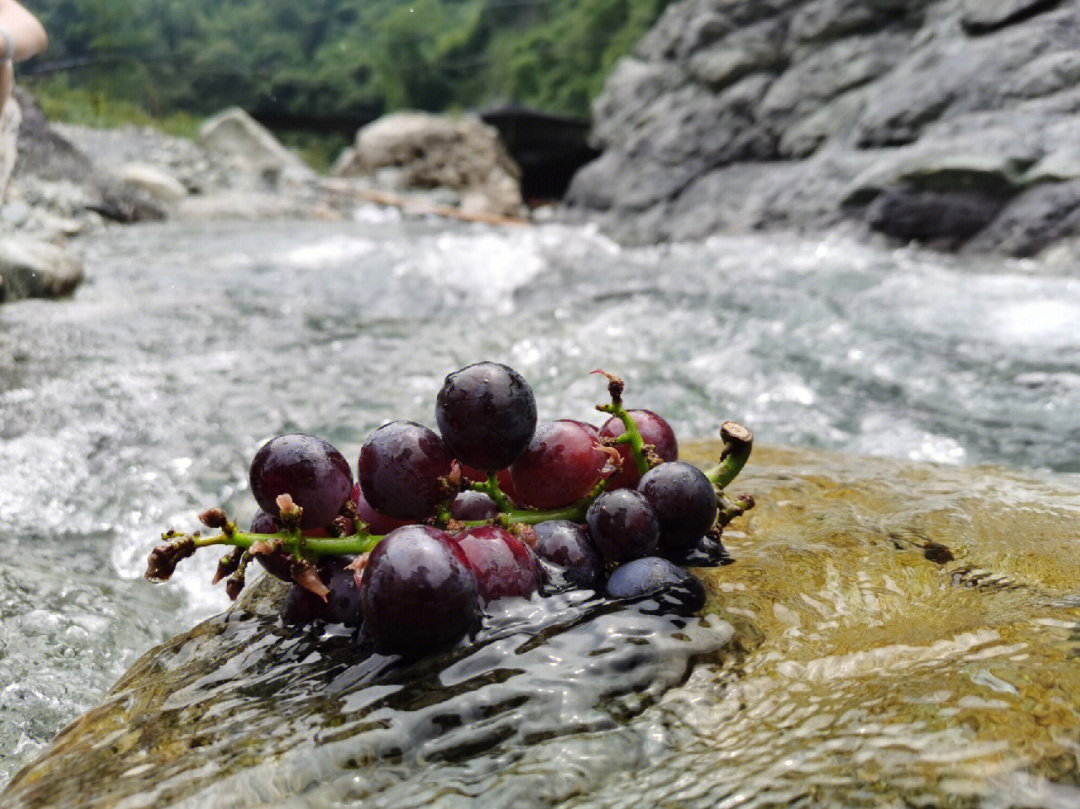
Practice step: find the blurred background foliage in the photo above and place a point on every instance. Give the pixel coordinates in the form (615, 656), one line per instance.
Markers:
(324, 66)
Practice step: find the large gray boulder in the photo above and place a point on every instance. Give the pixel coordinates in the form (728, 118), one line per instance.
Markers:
(237, 142)
(933, 120)
(418, 150)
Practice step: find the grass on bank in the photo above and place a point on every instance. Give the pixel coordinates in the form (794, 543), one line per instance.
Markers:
(88, 107)
(83, 106)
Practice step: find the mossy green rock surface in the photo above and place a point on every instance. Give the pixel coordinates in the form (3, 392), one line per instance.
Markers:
(888, 635)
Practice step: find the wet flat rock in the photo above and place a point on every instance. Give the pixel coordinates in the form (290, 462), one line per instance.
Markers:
(889, 634)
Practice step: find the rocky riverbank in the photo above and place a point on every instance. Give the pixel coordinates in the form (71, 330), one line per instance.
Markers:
(71, 180)
(948, 122)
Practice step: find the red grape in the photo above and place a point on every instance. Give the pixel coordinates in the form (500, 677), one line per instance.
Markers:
(279, 563)
(307, 468)
(591, 429)
(562, 463)
(654, 431)
(503, 564)
(506, 485)
(473, 474)
(502, 476)
(400, 467)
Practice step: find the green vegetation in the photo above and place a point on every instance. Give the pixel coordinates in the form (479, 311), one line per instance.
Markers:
(326, 64)
(62, 102)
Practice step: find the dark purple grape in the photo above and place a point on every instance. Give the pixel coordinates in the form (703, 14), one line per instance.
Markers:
(653, 577)
(562, 463)
(486, 414)
(342, 604)
(503, 564)
(377, 523)
(654, 431)
(684, 501)
(623, 525)
(567, 545)
(471, 505)
(399, 470)
(309, 469)
(263, 523)
(302, 606)
(418, 592)
(706, 552)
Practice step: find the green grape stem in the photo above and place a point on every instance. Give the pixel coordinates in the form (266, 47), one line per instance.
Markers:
(491, 488)
(632, 436)
(176, 546)
(738, 441)
(297, 544)
(314, 548)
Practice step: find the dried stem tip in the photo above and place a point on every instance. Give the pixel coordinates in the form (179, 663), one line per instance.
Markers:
(288, 509)
(227, 565)
(305, 574)
(615, 385)
(213, 518)
(735, 434)
(234, 585)
(164, 558)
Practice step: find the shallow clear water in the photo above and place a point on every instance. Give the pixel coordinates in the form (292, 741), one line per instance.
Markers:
(128, 408)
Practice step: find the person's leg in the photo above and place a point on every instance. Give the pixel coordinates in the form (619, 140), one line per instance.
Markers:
(9, 130)
(7, 82)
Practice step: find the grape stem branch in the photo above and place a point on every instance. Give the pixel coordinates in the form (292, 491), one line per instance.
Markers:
(738, 441)
(491, 488)
(298, 544)
(632, 437)
(176, 546)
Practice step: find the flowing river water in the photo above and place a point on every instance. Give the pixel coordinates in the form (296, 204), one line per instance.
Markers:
(141, 400)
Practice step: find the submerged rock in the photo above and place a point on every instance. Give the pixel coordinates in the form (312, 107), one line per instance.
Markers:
(888, 634)
(741, 115)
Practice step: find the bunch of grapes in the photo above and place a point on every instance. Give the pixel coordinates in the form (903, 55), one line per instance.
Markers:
(438, 527)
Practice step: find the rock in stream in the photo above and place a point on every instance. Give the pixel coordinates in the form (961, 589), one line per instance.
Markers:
(889, 634)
